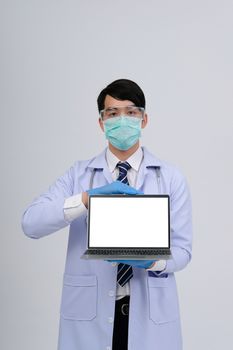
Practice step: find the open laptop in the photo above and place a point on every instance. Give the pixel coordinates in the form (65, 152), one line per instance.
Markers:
(128, 227)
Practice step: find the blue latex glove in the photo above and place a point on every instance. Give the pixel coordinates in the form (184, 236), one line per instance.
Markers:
(116, 187)
(143, 264)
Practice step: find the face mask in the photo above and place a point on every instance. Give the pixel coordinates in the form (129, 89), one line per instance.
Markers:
(122, 132)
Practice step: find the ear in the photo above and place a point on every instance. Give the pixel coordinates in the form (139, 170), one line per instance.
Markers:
(101, 124)
(144, 121)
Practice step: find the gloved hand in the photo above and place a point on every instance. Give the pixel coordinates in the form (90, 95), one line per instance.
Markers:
(116, 187)
(143, 264)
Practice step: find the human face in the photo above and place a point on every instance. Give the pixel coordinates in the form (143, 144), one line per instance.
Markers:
(111, 102)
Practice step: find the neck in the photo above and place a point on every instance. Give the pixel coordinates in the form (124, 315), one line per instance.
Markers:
(123, 155)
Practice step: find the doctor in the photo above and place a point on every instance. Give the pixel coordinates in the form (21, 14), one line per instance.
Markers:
(108, 306)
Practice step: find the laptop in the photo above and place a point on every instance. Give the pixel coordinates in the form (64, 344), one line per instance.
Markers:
(128, 227)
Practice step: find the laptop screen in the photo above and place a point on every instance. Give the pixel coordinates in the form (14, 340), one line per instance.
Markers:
(122, 221)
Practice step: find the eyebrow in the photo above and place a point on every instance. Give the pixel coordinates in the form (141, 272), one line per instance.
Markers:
(111, 108)
(115, 108)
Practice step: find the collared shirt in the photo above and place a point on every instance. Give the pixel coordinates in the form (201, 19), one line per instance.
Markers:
(134, 161)
(74, 207)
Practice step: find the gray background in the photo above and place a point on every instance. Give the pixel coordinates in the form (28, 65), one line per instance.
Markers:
(55, 58)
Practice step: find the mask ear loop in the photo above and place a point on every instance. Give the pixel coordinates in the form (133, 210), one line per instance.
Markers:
(142, 122)
(143, 117)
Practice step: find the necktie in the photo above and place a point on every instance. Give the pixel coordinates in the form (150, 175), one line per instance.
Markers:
(124, 272)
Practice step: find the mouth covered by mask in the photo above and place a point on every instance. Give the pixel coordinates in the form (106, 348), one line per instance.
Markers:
(123, 132)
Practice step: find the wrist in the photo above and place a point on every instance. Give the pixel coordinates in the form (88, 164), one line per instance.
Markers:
(85, 199)
(152, 264)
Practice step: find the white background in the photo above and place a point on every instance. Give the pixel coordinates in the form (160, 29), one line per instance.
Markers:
(55, 58)
(129, 222)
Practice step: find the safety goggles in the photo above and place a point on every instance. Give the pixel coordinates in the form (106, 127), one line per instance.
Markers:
(129, 111)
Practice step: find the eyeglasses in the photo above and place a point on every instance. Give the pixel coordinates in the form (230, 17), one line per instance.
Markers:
(129, 111)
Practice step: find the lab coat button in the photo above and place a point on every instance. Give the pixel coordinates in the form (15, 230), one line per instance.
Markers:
(108, 348)
(110, 320)
(111, 293)
(114, 264)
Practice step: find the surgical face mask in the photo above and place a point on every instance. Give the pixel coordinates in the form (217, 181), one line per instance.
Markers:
(123, 132)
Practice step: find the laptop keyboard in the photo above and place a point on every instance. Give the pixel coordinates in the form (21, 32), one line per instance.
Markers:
(129, 252)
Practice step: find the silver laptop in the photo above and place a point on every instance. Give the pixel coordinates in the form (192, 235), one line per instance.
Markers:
(128, 227)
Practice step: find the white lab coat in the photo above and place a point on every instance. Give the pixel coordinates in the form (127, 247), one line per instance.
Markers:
(89, 286)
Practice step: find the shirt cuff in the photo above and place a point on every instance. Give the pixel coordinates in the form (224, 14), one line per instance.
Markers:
(158, 265)
(74, 207)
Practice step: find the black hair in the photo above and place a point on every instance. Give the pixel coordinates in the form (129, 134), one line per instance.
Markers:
(122, 89)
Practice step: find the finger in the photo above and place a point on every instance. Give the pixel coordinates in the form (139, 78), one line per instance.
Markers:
(127, 189)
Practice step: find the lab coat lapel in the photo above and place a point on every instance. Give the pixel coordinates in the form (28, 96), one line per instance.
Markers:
(141, 175)
(148, 161)
(107, 174)
(99, 163)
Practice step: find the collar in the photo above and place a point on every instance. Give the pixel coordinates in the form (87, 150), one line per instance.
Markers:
(100, 162)
(134, 160)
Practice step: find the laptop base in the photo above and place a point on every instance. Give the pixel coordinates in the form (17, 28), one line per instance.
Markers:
(125, 257)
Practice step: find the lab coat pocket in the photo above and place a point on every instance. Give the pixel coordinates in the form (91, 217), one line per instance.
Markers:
(79, 297)
(163, 302)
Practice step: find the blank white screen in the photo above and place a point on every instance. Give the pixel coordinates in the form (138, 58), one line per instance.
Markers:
(129, 222)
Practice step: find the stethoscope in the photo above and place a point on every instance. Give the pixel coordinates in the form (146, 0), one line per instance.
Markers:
(156, 168)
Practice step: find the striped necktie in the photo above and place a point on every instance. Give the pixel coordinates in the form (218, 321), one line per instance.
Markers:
(124, 272)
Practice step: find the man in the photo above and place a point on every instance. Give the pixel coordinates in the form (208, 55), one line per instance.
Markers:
(101, 307)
